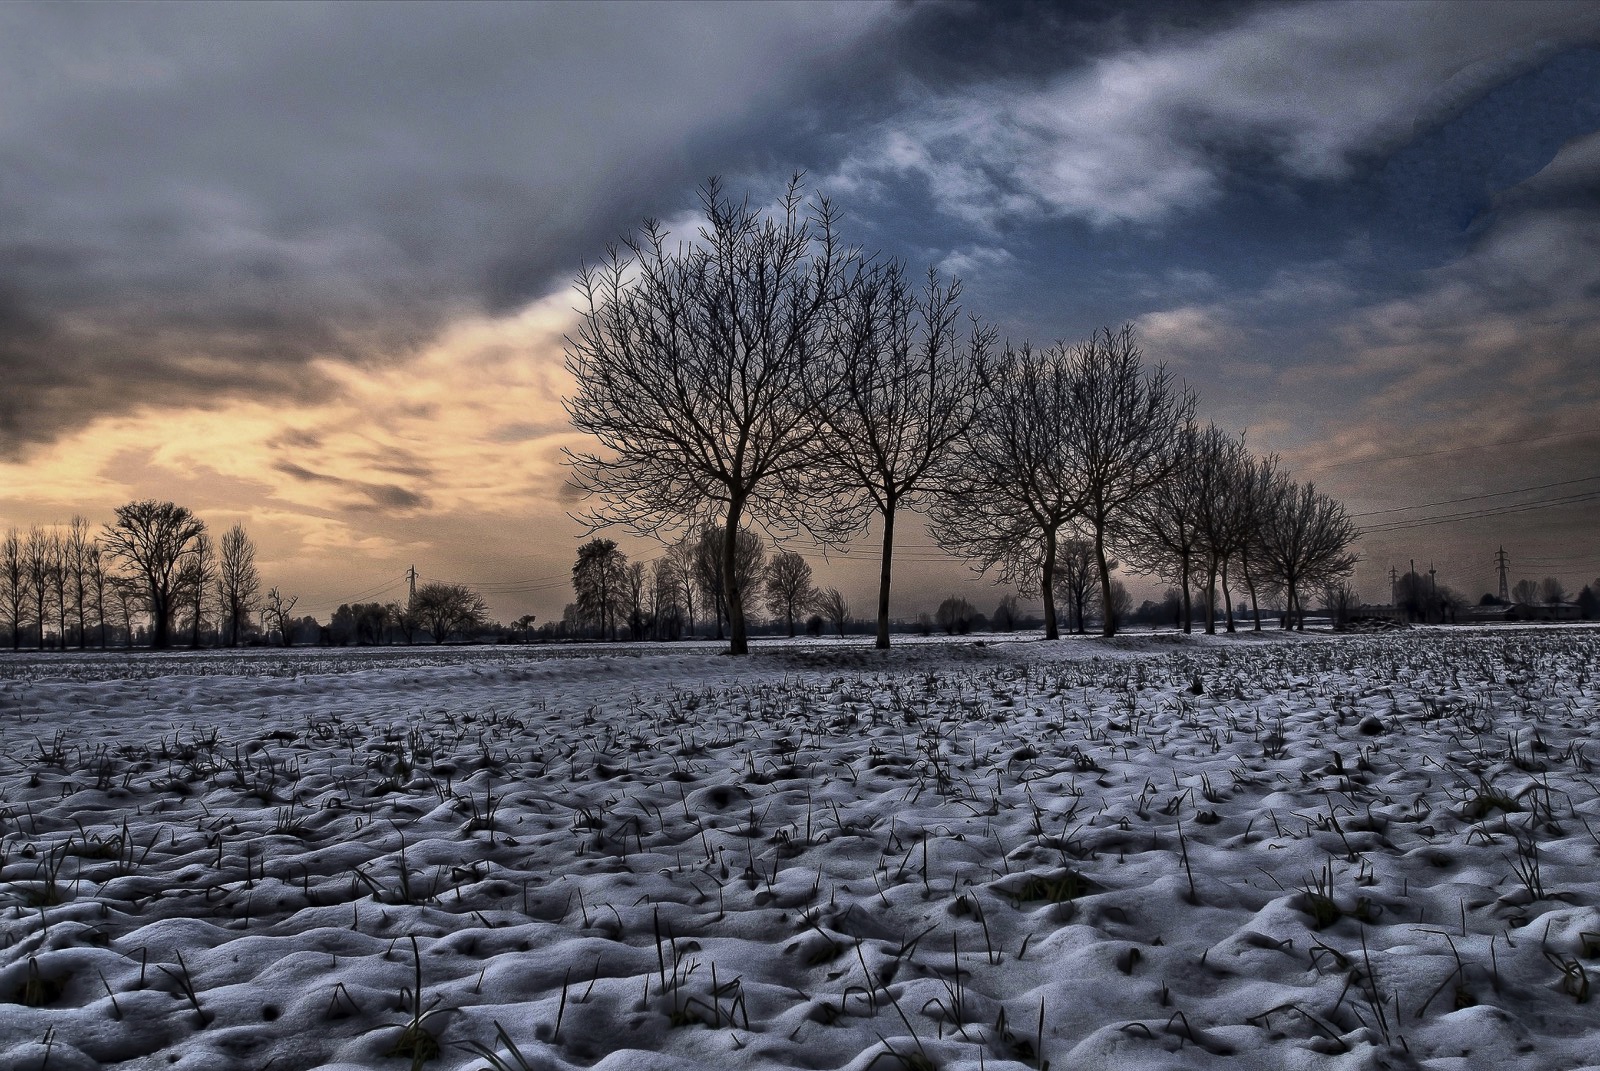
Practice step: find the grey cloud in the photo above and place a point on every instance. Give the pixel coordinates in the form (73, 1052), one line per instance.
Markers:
(373, 496)
(1152, 130)
(252, 186)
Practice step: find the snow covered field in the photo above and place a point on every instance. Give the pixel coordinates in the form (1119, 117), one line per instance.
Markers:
(1153, 852)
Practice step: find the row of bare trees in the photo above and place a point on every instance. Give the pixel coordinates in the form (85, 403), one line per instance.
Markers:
(155, 561)
(766, 373)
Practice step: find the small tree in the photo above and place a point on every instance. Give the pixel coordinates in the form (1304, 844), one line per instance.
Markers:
(238, 582)
(749, 559)
(1552, 591)
(600, 581)
(1525, 592)
(1006, 614)
(14, 586)
(37, 559)
(1075, 579)
(831, 604)
(789, 589)
(955, 615)
(277, 612)
(447, 609)
(196, 577)
(151, 538)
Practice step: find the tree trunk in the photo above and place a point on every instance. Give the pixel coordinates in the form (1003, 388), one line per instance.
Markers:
(1108, 616)
(1188, 604)
(1048, 587)
(1211, 597)
(884, 568)
(738, 644)
(1227, 601)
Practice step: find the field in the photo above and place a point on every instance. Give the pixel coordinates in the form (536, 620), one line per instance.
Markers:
(1154, 852)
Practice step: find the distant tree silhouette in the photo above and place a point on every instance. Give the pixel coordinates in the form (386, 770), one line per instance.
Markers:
(13, 585)
(832, 605)
(1075, 579)
(447, 609)
(955, 615)
(749, 558)
(1525, 592)
(196, 577)
(277, 610)
(75, 557)
(238, 582)
(910, 389)
(788, 587)
(600, 581)
(700, 370)
(151, 539)
(1552, 591)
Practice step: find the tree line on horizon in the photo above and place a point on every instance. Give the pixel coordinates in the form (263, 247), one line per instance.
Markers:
(155, 574)
(766, 374)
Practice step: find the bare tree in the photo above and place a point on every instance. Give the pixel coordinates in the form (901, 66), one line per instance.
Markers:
(701, 372)
(789, 589)
(75, 555)
(1075, 578)
(1219, 471)
(831, 604)
(749, 558)
(151, 539)
(1525, 592)
(600, 581)
(633, 591)
(405, 621)
(1305, 540)
(1009, 488)
(1119, 434)
(446, 609)
(1340, 599)
(665, 610)
(681, 556)
(14, 585)
(127, 595)
(910, 389)
(37, 559)
(277, 610)
(238, 582)
(1162, 536)
(955, 615)
(195, 578)
(1257, 492)
(1552, 591)
(60, 579)
(95, 567)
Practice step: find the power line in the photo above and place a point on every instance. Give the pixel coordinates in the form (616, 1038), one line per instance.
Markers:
(1566, 500)
(1475, 498)
(1454, 449)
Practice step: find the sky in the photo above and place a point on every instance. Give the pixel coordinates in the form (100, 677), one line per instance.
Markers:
(309, 267)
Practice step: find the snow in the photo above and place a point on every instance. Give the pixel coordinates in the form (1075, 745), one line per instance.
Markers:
(1155, 852)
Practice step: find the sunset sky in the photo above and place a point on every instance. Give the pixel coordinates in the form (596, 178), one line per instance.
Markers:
(308, 266)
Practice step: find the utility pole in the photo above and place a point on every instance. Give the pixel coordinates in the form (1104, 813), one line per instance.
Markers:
(411, 579)
(1501, 561)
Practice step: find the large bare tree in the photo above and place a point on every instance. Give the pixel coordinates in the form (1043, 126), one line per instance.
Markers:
(701, 371)
(910, 386)
(151, 538)
(38, 557)
(238, 581)
(198, 574)
(1009, 488)
(1119, 436)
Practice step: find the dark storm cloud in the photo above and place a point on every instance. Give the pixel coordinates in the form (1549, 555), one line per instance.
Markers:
(200, 200)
